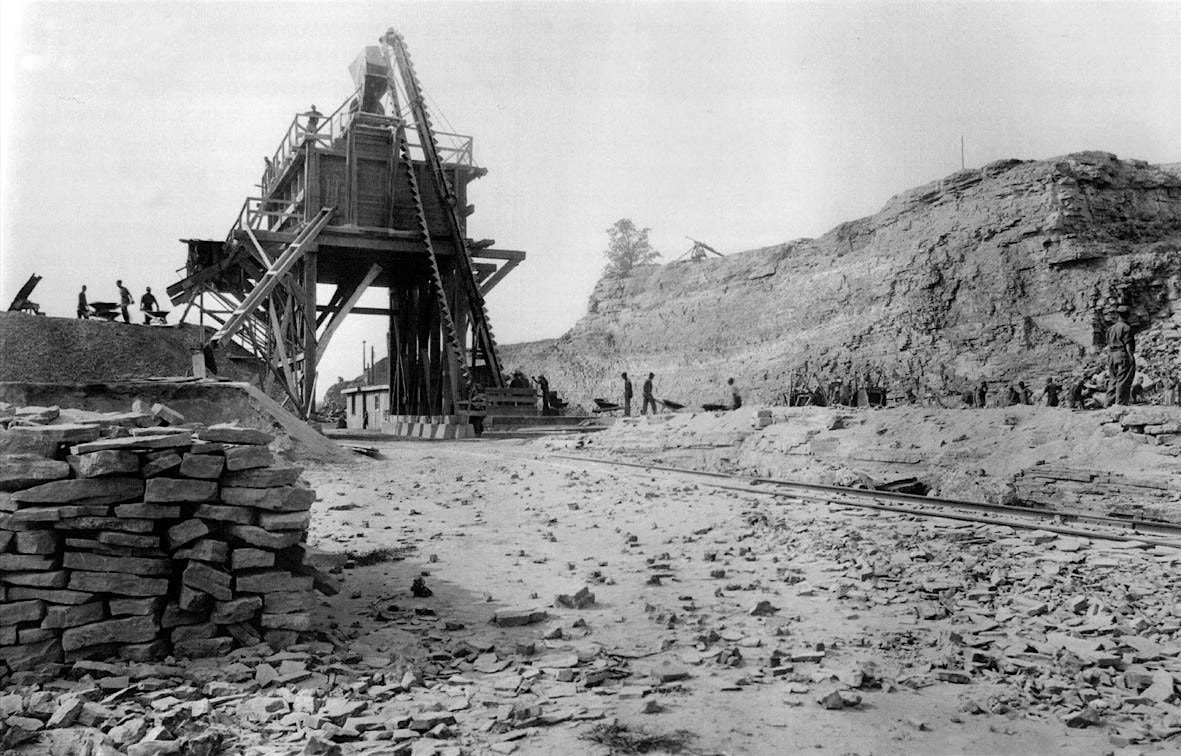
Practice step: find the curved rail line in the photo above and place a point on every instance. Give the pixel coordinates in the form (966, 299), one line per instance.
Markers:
(1153, 533)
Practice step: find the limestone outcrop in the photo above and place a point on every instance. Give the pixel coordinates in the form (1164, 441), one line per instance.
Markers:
(1004, 273)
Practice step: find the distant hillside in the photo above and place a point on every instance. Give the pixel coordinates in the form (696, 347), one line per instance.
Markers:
(996, 273)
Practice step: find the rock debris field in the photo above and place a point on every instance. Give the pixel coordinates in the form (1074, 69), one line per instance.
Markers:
(497, 599)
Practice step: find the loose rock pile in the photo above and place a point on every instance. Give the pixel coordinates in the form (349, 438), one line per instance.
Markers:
(140, 542)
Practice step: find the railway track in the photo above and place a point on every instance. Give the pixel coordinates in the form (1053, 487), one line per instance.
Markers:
(1066, 523)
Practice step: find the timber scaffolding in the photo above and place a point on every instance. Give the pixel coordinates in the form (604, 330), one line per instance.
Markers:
(367, 196)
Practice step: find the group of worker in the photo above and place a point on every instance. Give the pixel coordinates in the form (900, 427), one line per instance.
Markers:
(519, 380)
(147, 304)
(649, 397)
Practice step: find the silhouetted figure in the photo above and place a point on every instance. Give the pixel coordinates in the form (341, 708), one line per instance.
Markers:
(1051, 392)
(735, 397)
(83, 305)
(124, 301)
(627, 395)
(647, 394)
(982, 394)
(147, 305)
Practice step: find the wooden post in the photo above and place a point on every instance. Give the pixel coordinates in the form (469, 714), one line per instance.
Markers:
(310, 358)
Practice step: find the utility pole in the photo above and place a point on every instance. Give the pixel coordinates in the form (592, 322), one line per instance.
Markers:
(364, 368)
(961, 152)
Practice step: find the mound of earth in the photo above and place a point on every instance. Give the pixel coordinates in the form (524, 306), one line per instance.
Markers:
(1003, 273)
(62, 350)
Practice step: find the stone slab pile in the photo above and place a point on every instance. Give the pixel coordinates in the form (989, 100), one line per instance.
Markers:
(141, 542)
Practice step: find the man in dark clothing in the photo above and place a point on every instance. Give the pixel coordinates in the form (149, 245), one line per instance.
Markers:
(627, 395)
(543, 387)
(1121, 359)
(1026, 394)
(124, 301)
(981, 393)
(1078, 393)
(147, 305)
(83, 305)
(1050, 392)
(648, 398)
(735, 397)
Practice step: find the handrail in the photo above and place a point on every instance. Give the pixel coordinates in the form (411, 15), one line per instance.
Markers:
(324, 131)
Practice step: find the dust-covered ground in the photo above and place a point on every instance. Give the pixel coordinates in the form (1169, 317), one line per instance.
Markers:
(734, 623)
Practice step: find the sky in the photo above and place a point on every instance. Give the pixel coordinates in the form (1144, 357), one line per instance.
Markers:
(125, 127)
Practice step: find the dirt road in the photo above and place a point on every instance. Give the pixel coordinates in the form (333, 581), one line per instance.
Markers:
(679, 637)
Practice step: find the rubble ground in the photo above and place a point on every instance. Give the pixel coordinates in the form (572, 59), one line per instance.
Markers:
(499, 600)
(756, 626)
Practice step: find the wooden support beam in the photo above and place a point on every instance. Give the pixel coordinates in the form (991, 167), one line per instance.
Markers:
(311, 357)
(338, 317)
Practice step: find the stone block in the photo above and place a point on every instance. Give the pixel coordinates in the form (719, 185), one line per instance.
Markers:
(25, 562)
(104, 463)
(174, 615)
(26, 470)
(244, 633)
(22, 611)
(165, 463)
(120, 583)
(284, 499)
(220, 513)
(280, 639)
(128, 630)
(179, 490)
(255, 536)
(199, 649)
(208, 580)
(144, 652)
(297, 621)
(199, 631)
(147, 511)
(284, 602)
(179, 440)
(28, 515)
(205, 550)
(167, 414)
(129, 540)
(51, 579)
(518, 617)
(244, 559)
(262, 477)
(7, 538)
(82, 491)
(232, 434)
(36, 542)
(43, 440)
(184, 532)
(203, 466)
(279, 521)
(50, 595)
(28, 656)
(81, 560)
(122, 524)
(120, 607)
(192, 600)
(60, 617)
(272, 581)
(248, 457)
(34, 634)
(236, 610)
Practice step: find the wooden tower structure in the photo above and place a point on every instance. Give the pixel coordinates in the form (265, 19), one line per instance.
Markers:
(370, 195)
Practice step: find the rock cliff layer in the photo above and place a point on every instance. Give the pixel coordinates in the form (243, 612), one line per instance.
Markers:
(1004, 273)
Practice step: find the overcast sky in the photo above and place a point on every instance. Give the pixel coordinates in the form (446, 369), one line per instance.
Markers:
(127, 126)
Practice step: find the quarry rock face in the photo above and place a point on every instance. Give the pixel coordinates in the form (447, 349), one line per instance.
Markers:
(1002, 273)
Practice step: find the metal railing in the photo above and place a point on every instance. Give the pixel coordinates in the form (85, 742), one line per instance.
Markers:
(324, 131)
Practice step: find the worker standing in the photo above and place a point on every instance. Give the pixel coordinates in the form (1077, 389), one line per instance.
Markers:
(124, 301)
(1121, 358)
(982, 393)
(627, 395)
(735, 397)
(648, 398)
(83, 305)
(1050, 392)
(543, 387)
(147, 305)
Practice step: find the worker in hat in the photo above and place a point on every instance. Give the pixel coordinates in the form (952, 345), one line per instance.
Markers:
(1121, 358)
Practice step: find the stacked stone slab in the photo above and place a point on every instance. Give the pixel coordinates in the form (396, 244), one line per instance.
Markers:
(160, 541)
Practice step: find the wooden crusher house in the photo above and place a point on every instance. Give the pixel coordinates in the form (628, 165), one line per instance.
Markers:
(367, 196)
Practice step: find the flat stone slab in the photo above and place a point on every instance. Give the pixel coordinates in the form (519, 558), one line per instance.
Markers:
(284, 499)
(105, 463)
(170, 441)
(81, 560)
(203, 466)
(256, 536)
(233, 434)
(263, 477)
(176, 489)
(25, 470)
(117, 582)
(82, 491)
(248, 457)
(272, 581)
(129, 630)
(519, 617)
